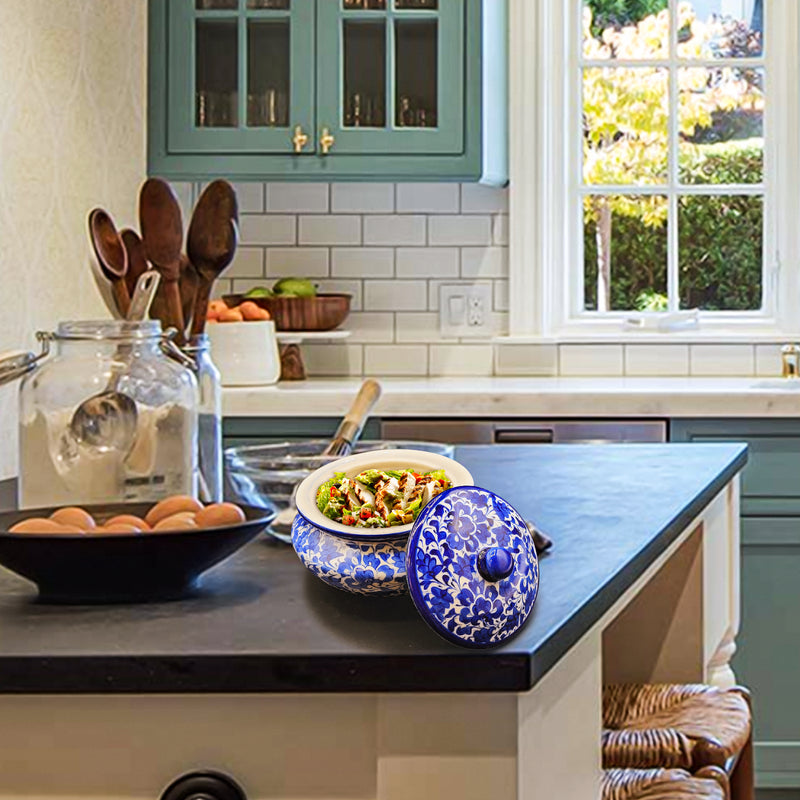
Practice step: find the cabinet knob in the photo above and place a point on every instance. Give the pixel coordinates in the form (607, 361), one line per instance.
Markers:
(326, 141)
(300, 139)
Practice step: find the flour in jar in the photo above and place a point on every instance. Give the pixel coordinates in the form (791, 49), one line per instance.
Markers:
(56, 469)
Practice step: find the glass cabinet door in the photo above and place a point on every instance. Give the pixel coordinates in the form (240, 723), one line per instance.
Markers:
(242, 76)
(390, 76)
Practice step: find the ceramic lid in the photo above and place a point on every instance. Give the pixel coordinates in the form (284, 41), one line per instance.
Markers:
(473, 573)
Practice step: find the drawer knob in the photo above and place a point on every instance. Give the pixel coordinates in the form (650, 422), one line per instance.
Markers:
(204, 786)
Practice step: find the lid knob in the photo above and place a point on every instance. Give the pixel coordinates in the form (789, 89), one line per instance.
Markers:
(495, 563)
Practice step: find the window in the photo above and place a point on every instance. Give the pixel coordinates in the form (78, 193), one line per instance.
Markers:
(661, 183)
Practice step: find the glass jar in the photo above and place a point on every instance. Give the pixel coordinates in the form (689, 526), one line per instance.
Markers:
(209, 425)
(160, 457)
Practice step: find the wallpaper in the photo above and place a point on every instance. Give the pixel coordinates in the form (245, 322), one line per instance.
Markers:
(72, 136)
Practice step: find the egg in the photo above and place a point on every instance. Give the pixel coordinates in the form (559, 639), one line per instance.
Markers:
(127, 519)
(180, 522)
(170, 507)
(231, 315)
(76, 517)
(219, 514)
(38, 525)
(117, 527)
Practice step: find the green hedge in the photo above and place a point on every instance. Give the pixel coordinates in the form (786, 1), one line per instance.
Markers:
(720, 241)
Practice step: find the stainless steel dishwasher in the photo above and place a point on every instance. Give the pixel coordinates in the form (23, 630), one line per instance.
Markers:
(522, 431)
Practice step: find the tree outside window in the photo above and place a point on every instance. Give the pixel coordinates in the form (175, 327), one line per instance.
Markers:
(672, 177)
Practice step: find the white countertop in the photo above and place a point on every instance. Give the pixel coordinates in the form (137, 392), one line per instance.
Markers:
(525, 397)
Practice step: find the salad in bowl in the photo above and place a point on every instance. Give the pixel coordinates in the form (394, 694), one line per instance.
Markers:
(379, 498)
(377, 494)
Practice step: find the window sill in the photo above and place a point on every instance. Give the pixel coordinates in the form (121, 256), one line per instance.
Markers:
(650, 337)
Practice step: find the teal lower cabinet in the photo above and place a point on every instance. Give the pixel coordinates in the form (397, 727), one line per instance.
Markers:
(241, 431)
(768, 644)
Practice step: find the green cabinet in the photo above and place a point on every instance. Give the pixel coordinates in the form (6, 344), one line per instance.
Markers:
(768, 644)
(328, 89)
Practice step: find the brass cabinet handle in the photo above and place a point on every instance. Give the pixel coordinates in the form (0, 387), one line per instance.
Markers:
(326, 141)
(300, 139)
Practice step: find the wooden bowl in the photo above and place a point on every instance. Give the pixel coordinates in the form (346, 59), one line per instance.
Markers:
(321, 313)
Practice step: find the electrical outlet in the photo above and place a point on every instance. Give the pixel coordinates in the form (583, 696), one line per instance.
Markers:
(464, 310)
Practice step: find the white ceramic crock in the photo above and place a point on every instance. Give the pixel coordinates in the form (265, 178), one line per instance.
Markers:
(246, 353)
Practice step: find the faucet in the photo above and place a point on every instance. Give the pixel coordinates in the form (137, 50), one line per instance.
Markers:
(790, 361)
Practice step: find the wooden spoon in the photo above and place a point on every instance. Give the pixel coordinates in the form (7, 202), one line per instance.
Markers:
(211, 242)
(162, 234)
(111, 254)
(137, 260)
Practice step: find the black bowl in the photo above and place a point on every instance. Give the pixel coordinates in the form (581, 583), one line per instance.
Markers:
(115, 568)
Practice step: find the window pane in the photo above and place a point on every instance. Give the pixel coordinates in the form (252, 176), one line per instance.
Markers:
(427, 4)
(273, 5)
(216, 74)
(721, 125)
(625, 253)
(720, 28)
(268, 73)
(720, 252)
(361, 5)
(625, 116)
(416, 100)
(216, 5)
(365, 74)
(633, 29)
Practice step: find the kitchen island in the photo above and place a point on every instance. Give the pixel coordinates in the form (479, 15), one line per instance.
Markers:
(298, 690)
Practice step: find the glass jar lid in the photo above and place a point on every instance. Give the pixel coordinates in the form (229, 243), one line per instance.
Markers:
(89, 330)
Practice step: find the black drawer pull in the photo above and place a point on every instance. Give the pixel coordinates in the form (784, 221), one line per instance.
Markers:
(204, 786)
(523, 436)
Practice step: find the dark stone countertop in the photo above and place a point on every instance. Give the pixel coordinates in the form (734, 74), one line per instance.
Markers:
(261, 623)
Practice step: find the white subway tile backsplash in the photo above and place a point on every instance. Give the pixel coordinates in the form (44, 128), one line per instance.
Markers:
(333, 229)
(500, 229)
(461, 359)
(722, 359)
(333, 360)
(460, 230)
(273, 229)
(297, 198)
(484, 262)
(394, 295)
(369, 327)
(297, 262)
(419, 327)
(590, 359)
(427, 262)
(657, 359)
(394, 230)
(427, 198)
(539, 360)
(395, 359)
(249, 196)
(242, 285)
(362, 262)
(362, 198)
(479, 199)
(247, 263)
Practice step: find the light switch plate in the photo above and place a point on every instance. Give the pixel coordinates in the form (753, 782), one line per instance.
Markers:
(465, 310)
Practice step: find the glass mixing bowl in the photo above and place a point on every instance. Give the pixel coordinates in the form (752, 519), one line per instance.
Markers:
(273, 470)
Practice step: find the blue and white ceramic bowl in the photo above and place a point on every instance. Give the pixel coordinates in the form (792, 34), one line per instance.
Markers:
(361, 560)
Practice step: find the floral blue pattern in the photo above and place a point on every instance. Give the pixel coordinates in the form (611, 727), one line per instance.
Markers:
(443, 575)
(375, 568)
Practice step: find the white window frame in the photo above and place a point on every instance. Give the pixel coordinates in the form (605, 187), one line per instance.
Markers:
(544, 96)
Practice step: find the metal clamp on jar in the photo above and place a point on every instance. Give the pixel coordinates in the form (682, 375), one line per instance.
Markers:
(108, 418)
